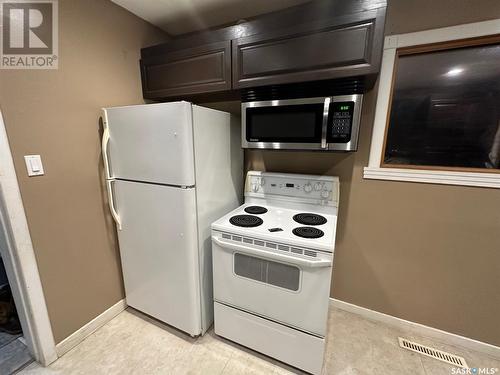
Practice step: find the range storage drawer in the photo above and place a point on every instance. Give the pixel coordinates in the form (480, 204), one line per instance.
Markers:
(188, 71)
(265, 336)
(308, 52)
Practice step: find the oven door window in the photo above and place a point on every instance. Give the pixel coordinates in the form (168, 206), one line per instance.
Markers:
(289, 123)
(267, 271)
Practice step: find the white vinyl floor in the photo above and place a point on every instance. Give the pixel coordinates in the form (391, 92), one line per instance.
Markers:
(134, 344)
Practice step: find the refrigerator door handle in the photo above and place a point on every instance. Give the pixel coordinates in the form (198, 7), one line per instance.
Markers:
(111, 201)
(105, 141)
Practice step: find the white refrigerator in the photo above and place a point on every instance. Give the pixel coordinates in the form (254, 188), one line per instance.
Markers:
(171, 170)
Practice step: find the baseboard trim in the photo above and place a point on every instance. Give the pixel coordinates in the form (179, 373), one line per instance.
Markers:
(77, 337)
(419, 329)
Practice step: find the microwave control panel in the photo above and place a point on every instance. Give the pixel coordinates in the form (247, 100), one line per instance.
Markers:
(340, 122)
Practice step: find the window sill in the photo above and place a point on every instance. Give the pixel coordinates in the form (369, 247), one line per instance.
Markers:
(491, 180)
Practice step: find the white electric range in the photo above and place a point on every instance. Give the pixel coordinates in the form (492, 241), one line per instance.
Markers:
(272, 267)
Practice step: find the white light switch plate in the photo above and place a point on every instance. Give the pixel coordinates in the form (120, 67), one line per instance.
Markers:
(34, 165)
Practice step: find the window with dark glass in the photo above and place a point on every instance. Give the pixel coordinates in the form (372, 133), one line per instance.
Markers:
(445, 110)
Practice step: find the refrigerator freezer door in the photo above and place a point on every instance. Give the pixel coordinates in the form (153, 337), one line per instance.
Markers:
(151, 143)
(159, 252)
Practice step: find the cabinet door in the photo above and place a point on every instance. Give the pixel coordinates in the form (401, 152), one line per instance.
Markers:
(201, 69)
(334, 48)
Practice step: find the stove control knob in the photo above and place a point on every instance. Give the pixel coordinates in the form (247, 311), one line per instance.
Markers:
(318, 186)
(325, 194)
(308, 187)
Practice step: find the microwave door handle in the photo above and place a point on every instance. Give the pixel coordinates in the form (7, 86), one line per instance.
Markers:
(324, 127)
(272, 255)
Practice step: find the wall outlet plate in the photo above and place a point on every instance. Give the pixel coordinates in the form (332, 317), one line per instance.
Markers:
(34, 165)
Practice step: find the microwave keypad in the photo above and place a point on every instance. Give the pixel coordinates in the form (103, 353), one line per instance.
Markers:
(340, 122)
(341, 125)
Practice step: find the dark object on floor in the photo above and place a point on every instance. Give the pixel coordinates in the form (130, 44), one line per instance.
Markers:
(9, 321)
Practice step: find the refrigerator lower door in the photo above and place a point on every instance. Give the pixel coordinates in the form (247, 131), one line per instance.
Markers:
(159, 252)
(151, 143)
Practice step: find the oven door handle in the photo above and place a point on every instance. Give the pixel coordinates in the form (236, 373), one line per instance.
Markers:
(272, 255)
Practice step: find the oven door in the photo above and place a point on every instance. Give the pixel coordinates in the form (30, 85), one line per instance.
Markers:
(299, 124)
(276, 285)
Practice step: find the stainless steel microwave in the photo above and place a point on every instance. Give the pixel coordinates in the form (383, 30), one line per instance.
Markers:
(325, 123)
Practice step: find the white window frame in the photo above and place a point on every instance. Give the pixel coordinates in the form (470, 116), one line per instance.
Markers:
(391, 44)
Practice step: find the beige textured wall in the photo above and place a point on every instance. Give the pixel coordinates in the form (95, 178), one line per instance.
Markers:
(421, 252)
(55, 114)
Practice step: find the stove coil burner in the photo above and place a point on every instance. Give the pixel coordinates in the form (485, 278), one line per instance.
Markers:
(246, 221)
(309, 219)
(255, 210)
(308, 232)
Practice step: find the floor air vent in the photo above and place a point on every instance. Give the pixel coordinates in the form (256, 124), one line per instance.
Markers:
(433, 353)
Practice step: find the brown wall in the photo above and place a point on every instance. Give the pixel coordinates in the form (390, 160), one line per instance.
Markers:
(421, 252)
(55, 114)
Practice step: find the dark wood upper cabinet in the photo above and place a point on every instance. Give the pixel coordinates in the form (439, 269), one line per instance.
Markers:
(334, 48)
(315, 41)
(189, 71)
